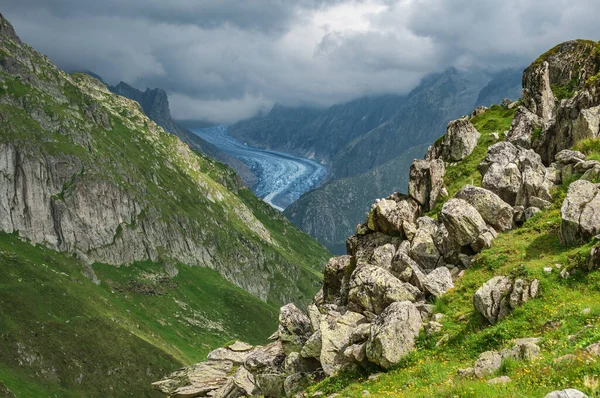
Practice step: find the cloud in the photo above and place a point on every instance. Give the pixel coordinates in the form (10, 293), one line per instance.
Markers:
(223, 60)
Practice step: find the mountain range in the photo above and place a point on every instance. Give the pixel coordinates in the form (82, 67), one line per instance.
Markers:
(368, 144)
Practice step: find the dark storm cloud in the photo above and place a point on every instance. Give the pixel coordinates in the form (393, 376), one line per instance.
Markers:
(227, 59)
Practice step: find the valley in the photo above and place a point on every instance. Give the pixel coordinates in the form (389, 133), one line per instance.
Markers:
(281, 178)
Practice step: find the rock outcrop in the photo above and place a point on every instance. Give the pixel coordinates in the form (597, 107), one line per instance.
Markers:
(426, 182)
(500, 295)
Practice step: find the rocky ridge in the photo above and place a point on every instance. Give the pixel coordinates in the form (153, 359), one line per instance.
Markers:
(375, 300)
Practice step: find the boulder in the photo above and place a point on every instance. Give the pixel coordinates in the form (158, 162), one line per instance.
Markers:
(362, 247)
(579, 213)
(490, 299)
(267, 359)
(298, 382)
(336, 280)
(336, 330)
(383, 255)
(423, 248)
(515, 174)
(426, 180)
(373, 289)
(438, 281)
(478, 111)
(524, 125)
(568, 393)
(487, 364)
(459, 142)
(294, 328)
(407, 270)
(465, 225)
(389, 215)
(498, 296)
(393, 334)
(490, 206)
(270, 385)
(567, 156)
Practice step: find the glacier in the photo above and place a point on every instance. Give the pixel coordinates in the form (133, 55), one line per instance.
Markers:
(281, 177)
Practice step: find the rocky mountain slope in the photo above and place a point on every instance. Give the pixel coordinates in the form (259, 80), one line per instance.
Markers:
(388, 146)
(124, 252)
(482, 280)
(155, 104)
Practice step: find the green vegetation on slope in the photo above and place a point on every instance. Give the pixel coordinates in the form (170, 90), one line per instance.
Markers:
(62, 336)
(557, 313)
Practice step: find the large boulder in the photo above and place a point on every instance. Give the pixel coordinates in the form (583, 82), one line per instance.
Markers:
(389, 215)
(579, 212)
(500, 295)
(373, 289)
(459, 142)
(438, 281)
(490, 206)
(294, 328)
(336, 280)
(465, 225)
(516, 175)
(393, 334)
(426, 181)
(336, 330)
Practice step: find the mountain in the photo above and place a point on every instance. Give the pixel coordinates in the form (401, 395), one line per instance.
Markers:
(480, 281)
(124, 253)
(155, 104)
(402, 132)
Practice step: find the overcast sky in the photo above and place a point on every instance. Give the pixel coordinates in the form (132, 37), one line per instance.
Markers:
(223, 60)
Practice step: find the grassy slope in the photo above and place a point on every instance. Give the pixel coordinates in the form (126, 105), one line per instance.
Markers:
(431, 371)
(131, 330)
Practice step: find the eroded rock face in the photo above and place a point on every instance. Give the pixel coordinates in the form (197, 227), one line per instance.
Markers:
(459, 142)
(426, 181)
(393, 334)
(537, 93)
(465, 225)
(579, 212)
(490, 206)
(499, 296)
(516, 175)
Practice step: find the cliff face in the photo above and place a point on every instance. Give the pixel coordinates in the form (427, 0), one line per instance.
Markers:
(83, 170)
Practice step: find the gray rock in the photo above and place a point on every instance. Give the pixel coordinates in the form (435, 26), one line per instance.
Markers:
(393, 334)
(567, 156)
(515, 174)
(459, 142)
(531, 211)
(407, 270)
(294, 328)
(537, 94)
(487, 364)
(498, 296)
(465, 225)
(389, 215)
(336, 280)
(490, 206)
(478, 111)
(519, 214)
(426, 180)
(336, 330)
(579, 213)
(524, 125)
(312, 347)
(438, 281)
(433, 327)
(361, 333)
(267, 359)
(499, 380)
(568, 393)
(196, 380)
(423, 248)
(270, 384)
(236, 353)
(373, 289)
